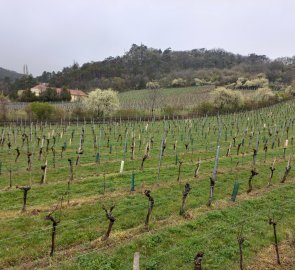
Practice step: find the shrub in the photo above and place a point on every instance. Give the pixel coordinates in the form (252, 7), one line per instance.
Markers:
(240, 82)
(78, 111)
(264, 96)
(179, 82)
(227, 100)
(260, 82)
(41, 111)
(198, 82)
(290, 91)
(204, 108)
(153, 85)
(171, 110)
(59, 113)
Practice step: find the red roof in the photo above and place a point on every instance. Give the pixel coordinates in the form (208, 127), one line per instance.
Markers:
(72, 92)
(43, 86)
(77, 93)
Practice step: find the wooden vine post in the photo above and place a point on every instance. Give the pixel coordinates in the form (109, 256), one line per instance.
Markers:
(241, 241)
(272, 222)
(136, 261)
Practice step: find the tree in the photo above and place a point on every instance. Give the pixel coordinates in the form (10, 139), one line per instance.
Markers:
(26, 82)
(49, 94)
(28, 96)
(101, 102)
(155, 96)
(64, 95)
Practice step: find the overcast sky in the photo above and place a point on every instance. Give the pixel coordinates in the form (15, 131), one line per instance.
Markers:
(51, 34)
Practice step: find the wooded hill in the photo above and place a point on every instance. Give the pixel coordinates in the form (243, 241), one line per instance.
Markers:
(142, 64)
(6, 74)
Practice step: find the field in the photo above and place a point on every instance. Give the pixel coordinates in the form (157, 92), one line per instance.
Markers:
(169, 97)
(180, 152)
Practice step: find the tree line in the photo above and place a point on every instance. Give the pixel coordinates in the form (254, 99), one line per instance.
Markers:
(142, 64)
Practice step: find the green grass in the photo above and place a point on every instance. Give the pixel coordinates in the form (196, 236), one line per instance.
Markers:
(172, 241)
(170, 97)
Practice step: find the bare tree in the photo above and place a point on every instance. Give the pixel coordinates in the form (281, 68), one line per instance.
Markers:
(17, 154)
(29, 155)
(44, 173)
(151, 205)
(185, 193)
(55, 222)
(197, 168)
(238, 148)
(198, 260)
(79, 153)
(112, 220)
(143, 160)
(179, 170)
(241, 240)
(25, 189)
(272, 169)
(287, 170)
(253, 174)
(155, 97)
(53, 155)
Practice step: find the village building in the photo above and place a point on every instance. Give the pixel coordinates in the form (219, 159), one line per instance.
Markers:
(76, 94)
(38, 89)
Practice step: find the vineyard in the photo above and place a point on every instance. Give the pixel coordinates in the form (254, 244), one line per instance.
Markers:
(203, 193)
(170, 97)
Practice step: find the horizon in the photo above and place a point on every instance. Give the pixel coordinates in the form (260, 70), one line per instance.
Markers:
(76, 31)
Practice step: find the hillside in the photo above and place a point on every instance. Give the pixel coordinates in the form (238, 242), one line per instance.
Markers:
(142, 64)
(12, 75)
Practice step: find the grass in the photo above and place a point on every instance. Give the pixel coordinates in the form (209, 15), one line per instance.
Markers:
(172, 241)
(184, 97)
